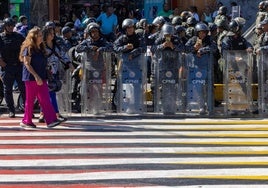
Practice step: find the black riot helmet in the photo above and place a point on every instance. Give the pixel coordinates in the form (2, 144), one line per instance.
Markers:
(237, 24)
(201, 27)
(177, 20)
(223, 10)
(92, 26)
(50, 24)
(8, 22)
(191, 21)
(22, 18)
(263, 5)
(159, 20)
(185, 14)
(128, 23)
(168, 29)
(89, 20)
(66, 30)
(234, 26)
(143, 22)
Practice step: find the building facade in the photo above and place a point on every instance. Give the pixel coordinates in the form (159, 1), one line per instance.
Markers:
(39, 11)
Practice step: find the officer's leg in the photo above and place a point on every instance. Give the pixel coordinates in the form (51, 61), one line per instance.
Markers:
(1, 89)
(8, 80)
(20, 83)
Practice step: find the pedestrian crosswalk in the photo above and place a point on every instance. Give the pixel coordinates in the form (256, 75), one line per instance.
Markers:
(134, 152)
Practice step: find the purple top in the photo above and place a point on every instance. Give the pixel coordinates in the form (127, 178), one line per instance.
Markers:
(39, 64)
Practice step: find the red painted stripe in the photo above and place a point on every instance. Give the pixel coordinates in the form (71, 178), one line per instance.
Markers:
(64, 186)
(56, 137)
(64, 171)
(62, 146)
(9, 123)
(36, 157)
(43, 128)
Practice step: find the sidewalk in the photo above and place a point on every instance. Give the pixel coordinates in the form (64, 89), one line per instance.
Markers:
(215, 118)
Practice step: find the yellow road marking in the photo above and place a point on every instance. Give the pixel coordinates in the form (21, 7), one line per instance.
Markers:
(264, 152)
(228, 177)
(233, 143)
(235, 163)
(220, 122)
(221, 135)
(214, 129)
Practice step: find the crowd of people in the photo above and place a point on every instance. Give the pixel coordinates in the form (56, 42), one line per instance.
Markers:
(29, 55)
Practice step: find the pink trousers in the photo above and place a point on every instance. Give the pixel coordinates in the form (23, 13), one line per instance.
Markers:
(33, 91)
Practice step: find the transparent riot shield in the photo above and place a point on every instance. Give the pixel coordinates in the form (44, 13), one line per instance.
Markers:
(199, 87)
(183, 81)
(131, 84)
(154, 80)
(237, 82)
(166, 89)
(262, 64)
(96, 84)
(64, 95)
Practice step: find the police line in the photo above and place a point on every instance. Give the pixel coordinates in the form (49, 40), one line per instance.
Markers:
(182, 84)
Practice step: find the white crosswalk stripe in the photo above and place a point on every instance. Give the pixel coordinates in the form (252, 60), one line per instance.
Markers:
(135, 153)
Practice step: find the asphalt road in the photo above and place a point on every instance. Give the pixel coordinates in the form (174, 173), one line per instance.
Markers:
(135, 152)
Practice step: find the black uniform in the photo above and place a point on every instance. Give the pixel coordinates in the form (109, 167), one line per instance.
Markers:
(10, 49)
(234, 42)
(87, 45)
(136, 40)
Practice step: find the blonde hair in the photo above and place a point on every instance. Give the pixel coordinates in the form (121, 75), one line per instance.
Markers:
(30, 42)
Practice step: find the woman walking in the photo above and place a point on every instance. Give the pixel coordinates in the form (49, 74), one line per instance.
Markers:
(58, 61)
(34, 57)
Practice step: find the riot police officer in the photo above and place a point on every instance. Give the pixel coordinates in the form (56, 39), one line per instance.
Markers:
(168, 39)
(180, 31)
(261, 57)
(168, 48)
(235, 48)
(202, 42)
(190, 30)
(95, 41)
(177, 20)
(129, 47)
(142, 27)
(68, 39)
(129, 42)
(95, 70)
(159, 21)
(222, 15)
(10, 43)
(262, 42)
(262, 13)
(184, 16)
(221, 33)
(234, 39)
(200, 80)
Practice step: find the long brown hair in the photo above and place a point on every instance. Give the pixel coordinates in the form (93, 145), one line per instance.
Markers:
(30, 42)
